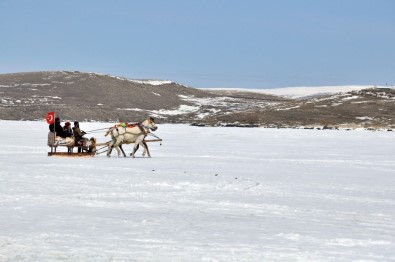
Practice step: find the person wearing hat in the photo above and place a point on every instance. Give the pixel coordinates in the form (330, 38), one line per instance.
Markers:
(78, 135)
(69, 133)
(57, 127)
(67, 129)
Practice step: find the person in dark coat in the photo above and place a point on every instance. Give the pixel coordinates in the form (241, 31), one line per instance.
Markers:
(58, 129)
(78, 135)
(67, 129)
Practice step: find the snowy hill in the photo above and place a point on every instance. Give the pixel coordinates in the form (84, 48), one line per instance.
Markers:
(346, 106)
(300, 92)
(99, 97)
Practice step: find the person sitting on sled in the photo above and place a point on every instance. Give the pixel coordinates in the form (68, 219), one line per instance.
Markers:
(58, 129)
(78, 135)
(67, 129)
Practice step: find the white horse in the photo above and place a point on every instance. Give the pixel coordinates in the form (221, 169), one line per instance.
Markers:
(127, 135)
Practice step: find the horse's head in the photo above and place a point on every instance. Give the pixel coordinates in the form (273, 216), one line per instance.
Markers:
(109, 131)
(150, 123)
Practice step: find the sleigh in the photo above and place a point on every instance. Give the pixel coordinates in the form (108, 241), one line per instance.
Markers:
(87, 146)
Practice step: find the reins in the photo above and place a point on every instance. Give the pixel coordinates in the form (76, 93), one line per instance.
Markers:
(106, 128)
(96, 130)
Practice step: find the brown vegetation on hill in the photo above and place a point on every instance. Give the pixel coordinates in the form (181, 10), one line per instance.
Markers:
(96, 97)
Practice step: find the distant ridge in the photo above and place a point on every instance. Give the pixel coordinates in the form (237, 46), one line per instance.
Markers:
(75, 95)
(154, 82)
(299, 92)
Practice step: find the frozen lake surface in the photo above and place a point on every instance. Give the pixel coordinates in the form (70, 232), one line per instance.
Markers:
(207, 194)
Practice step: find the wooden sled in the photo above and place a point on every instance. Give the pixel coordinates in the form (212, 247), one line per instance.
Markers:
(88, 147)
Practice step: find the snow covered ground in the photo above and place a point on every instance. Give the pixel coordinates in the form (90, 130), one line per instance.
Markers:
(207, 194)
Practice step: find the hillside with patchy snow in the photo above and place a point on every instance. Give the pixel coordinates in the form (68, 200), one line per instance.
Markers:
(99, 97)
(302, 92)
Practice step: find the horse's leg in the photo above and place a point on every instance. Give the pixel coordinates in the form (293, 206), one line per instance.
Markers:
(146, 150)
(114, 144)
(123, 152)
(146, 146)
(109, 148)
(136, 145)
(118, 151)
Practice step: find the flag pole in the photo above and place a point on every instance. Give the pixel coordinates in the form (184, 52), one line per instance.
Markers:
(54, 122)
(54, 129)
(51, 120)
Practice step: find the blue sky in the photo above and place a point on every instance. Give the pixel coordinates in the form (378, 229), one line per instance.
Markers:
(205, 43)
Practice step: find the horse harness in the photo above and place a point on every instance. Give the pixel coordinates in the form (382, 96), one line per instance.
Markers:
(144, 129)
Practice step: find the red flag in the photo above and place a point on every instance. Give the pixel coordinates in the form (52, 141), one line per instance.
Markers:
(51, 118)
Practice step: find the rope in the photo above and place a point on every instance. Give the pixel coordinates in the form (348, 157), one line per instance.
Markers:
(92, 132)
(100, 129)
(100, 148)
(98, 152)
(96, 130)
